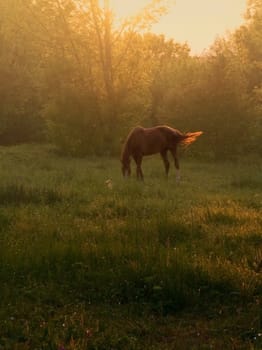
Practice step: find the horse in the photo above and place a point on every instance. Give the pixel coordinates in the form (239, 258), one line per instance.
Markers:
(147, 141)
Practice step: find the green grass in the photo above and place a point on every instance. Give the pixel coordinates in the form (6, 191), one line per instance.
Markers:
(153, 265)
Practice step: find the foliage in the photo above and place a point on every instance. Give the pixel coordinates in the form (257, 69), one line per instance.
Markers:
(72, 73)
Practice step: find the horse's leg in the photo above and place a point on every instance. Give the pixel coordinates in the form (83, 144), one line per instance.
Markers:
(174, 153)
(165, 160)
(139, 169)
(128, 170)
(138, 160)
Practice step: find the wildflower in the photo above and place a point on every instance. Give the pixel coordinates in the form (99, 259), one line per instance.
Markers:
(109, 184)
(89, 333)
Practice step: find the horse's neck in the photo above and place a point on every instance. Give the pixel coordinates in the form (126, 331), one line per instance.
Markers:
(125, 154)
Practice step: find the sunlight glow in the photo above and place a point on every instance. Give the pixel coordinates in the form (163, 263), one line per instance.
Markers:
(197, 22)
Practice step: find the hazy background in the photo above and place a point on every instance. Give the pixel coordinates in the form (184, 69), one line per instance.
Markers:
(81, 74)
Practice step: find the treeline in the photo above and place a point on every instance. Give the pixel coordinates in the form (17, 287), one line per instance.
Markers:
(72, 75)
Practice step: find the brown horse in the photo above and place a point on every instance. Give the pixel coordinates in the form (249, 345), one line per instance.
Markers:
(159, 139)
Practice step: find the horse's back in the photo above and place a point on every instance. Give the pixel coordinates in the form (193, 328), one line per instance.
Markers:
(167, 130)
(147, 140)
(135, 133)
(152, 140)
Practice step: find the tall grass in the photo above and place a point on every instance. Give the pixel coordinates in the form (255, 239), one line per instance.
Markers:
(71, 244)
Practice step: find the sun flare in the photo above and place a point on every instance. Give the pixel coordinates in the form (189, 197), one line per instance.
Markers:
(196, 22)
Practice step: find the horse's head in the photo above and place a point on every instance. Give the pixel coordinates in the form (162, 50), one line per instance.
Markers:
(126, 169)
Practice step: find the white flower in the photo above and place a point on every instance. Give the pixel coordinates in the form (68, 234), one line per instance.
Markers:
(109, 184)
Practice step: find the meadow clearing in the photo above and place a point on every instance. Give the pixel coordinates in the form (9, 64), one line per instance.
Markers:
(91, 264)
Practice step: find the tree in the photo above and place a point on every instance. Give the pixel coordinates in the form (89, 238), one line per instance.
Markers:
(106, 78)
(20, 119)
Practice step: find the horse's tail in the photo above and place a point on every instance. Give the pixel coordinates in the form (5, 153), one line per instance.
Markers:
(189, 137)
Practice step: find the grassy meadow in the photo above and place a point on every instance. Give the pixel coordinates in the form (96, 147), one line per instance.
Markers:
(87, 263)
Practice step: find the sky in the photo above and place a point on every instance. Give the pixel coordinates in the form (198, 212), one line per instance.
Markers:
(197, 22)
